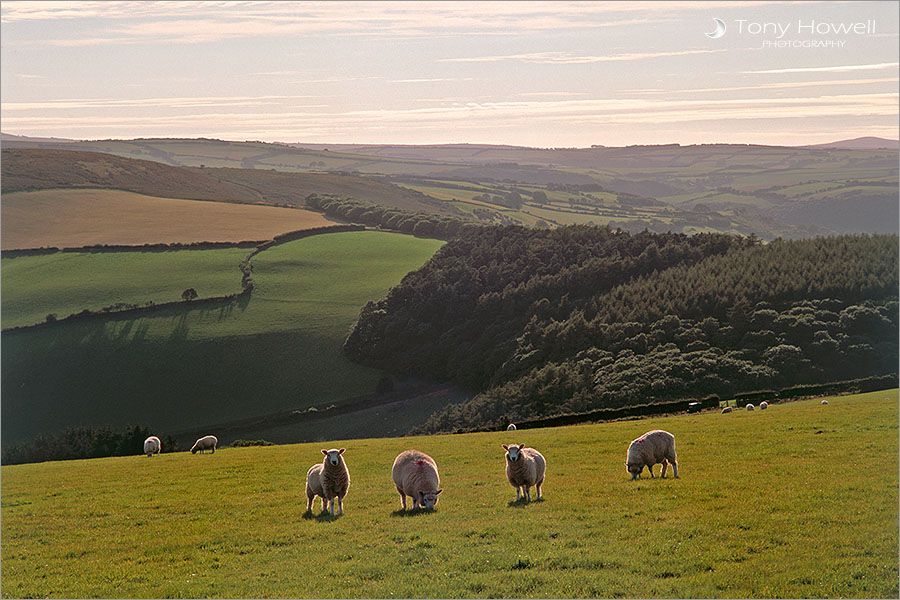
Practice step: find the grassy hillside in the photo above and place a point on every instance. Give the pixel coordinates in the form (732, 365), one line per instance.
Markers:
(67, 283)
(796, 501)
(75, 218)
(183, 367)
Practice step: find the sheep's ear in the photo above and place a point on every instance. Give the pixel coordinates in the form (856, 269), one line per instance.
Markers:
(422, 492)
(325, 452)
(341, 451)
(438, 492)
(505, 447)
(521, 446)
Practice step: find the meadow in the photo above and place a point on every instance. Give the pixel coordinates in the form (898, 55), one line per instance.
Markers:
(187, 366)
(796, 501)
(69, 282)
(75, 218)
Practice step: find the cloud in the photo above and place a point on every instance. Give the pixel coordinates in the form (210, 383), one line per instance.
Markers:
(766, 86)
(433, 79)
(841, 69)
(568, 58)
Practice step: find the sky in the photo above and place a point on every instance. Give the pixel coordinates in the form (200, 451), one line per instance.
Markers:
(541, 74)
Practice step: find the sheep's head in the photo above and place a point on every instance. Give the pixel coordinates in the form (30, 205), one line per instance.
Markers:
(513, 452)
(429, 499)
(634, 469)
(333, 456)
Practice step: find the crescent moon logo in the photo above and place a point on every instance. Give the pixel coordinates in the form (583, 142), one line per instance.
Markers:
(720, 30)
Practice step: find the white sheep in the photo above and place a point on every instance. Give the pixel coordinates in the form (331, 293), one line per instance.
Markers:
(727, 409)
(511, 427)
(329, 479)
(824, 401)
(653, 447)
(208, 442)
(415, 474)
(152, 446)
(525, 467)
(763, 405)
(750, 408)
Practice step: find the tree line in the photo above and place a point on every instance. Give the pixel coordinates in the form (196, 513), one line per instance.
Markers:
(84, 442)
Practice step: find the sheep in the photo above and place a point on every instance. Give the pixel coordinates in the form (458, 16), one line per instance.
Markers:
(763, 405)
(511, 427)
(653, 447)
(329, 479)
(525, 467)
(750, 408)
(727, 409)
(205, 443)
(824, 401)
(415, 474)
(152, 446)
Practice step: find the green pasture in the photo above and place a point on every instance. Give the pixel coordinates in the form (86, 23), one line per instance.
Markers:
(69, 282)
(796, 501)
(187, 366)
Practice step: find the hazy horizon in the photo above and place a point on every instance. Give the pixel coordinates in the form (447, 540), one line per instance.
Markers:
(570, 74)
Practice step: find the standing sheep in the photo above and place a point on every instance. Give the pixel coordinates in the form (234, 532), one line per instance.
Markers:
(525, 467)
(152, 446)
(824, 402)
(763, 405)
(205, 443)
(511, 427)
(329, 479)
(415, 474)
(653, 447)
(727, 409)
(750, 408)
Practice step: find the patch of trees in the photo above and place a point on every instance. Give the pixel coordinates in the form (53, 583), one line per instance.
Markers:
(544, 323)
(374, 215)
(84, 442)
(511, 199)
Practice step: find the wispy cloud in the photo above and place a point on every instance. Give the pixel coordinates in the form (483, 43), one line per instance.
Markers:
(432, 80)
(567, 58)
(766, 86)
(169, 102)
(836, 69)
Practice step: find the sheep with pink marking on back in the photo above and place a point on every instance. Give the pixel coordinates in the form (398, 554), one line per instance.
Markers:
(525, 467)
(329, 479)
(653, 447)
(152, 446)
(415, 474)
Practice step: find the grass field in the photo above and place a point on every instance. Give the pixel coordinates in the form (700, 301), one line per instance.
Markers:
(797, 501)
(183, 367)
(74, 218)
(67, 283)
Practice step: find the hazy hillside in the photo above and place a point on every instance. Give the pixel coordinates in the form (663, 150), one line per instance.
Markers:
(860, 143)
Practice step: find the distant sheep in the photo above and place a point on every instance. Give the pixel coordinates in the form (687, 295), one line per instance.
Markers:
(511, 427)
(727, 409)
(824, 401)
(415, 474)
(653, 447)
(750, 408)
(329, 479)
(525, 467)
(152, 446)
(763, 405)
(205, 443)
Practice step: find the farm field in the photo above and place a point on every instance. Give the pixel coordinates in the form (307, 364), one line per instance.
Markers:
(74, 218)
(796, 501)
(188, 366)
(69, 282)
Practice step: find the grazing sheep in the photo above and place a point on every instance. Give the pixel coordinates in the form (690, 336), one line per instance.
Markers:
(525, 467)
(152, 446)
(727, 409)
(511, 427)
(763, 405)
(750, 408)
(205, 443)
(824, 401)
(653, 447)
(329, 479)
(415, 474)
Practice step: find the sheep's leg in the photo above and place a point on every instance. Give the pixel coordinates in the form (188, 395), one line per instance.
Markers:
(665, 465)
(331, 506)
(527, 492)
(323, 504)
(674, 468)
(650, 468)
(537, 486)
(340, 505)
(518, 492)
(309, 501)
(402, 500)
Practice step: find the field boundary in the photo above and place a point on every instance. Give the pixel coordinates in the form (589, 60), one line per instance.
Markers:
(244, 266)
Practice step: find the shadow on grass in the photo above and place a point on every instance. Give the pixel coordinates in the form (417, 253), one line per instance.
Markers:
(322, 517)
(523, 502)
(415, 512)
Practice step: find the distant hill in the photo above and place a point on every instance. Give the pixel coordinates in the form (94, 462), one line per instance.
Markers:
(9, 137)
(860, 143)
